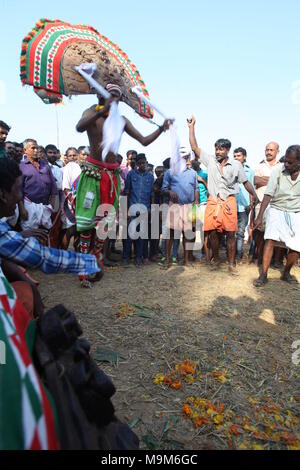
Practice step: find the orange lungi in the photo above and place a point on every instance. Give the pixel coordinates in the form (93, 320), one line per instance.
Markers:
(221, 215)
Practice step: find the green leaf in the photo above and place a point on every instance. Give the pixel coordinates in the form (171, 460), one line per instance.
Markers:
(150, 442)
(143, 314)
(170, 444)
(106, 355)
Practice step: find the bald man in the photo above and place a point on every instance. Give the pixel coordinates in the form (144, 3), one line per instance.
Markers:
(261, 179)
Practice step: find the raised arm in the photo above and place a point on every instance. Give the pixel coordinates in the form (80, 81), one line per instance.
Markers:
(135, 134)
(193, 142)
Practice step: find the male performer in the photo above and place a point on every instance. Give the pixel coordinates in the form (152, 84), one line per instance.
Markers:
(99, 182)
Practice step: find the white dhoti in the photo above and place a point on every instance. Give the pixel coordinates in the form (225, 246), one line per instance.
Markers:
(283, 227)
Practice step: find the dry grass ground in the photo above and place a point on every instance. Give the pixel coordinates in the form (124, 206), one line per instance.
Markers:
(238, 337)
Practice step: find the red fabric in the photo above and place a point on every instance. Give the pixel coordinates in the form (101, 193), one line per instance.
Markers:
(25, 295)
(100, 164)
(107, 192)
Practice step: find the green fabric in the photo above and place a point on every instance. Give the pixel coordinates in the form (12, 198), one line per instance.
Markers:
(118, 191)
(85, 217)
(2, 151)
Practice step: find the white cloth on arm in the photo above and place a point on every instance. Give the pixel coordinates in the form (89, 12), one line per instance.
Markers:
(282, 226)
(39, 215)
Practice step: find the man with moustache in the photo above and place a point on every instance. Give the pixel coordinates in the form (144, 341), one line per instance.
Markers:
(283, 217)
(224, 176)
(261, 179)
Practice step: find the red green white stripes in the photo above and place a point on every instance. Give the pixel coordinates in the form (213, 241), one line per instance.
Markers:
(26, 418)
(43, 48)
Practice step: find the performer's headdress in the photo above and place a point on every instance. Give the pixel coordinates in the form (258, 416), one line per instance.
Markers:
(51, 51)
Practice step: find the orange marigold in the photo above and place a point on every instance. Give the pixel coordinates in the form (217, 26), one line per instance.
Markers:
(187, 410)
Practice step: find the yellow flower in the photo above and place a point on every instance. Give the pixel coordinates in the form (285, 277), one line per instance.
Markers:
(257, 447)
(159, 379)
(218, 419)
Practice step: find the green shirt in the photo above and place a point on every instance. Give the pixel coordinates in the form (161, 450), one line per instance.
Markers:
(284, 191)
(2, 151)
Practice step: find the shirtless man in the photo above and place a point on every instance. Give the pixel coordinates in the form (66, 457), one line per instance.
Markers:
(92, 122)
(90, 194)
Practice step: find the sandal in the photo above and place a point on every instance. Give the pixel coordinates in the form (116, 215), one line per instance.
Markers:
(260, 282)
(290, 279)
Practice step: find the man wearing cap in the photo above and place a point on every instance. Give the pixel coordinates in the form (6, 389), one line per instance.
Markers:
(182, 191)
(224, 176)
(99, 181)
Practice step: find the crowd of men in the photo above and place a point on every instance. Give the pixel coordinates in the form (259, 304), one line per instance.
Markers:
(232, 199)
(222, 198)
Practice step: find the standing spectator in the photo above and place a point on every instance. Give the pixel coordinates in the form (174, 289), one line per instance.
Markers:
(4, 130)
(52, 156)
(182, 191)
(82, 153)
(202, 176)
(130, 164)
(283, 215)
(10, 149)
(164, 229)
(261, 179)
(38, 186)
(71, 155)
(244, 201)
(150, 168)
(139, 190)
(19, 152)
(221, 209)
(42, 153)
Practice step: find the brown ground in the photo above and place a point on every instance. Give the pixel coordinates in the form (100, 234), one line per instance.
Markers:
(219, 321)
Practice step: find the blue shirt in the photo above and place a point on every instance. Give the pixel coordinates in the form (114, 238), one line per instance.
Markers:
(183, 184)
(201, 186)
(29, 252)
(139, 188)
(243, 197)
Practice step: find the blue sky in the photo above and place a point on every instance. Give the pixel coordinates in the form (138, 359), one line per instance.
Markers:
(232, 64)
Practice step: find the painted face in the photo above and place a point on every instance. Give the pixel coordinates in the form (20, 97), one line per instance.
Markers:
(291, 164)
(10, 199)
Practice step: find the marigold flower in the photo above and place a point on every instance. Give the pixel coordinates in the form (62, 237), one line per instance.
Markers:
(187, 410)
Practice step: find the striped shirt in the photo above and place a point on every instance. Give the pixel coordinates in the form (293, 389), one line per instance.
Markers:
(28, 252)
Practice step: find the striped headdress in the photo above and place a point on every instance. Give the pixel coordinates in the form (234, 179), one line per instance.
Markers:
(53, 48)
